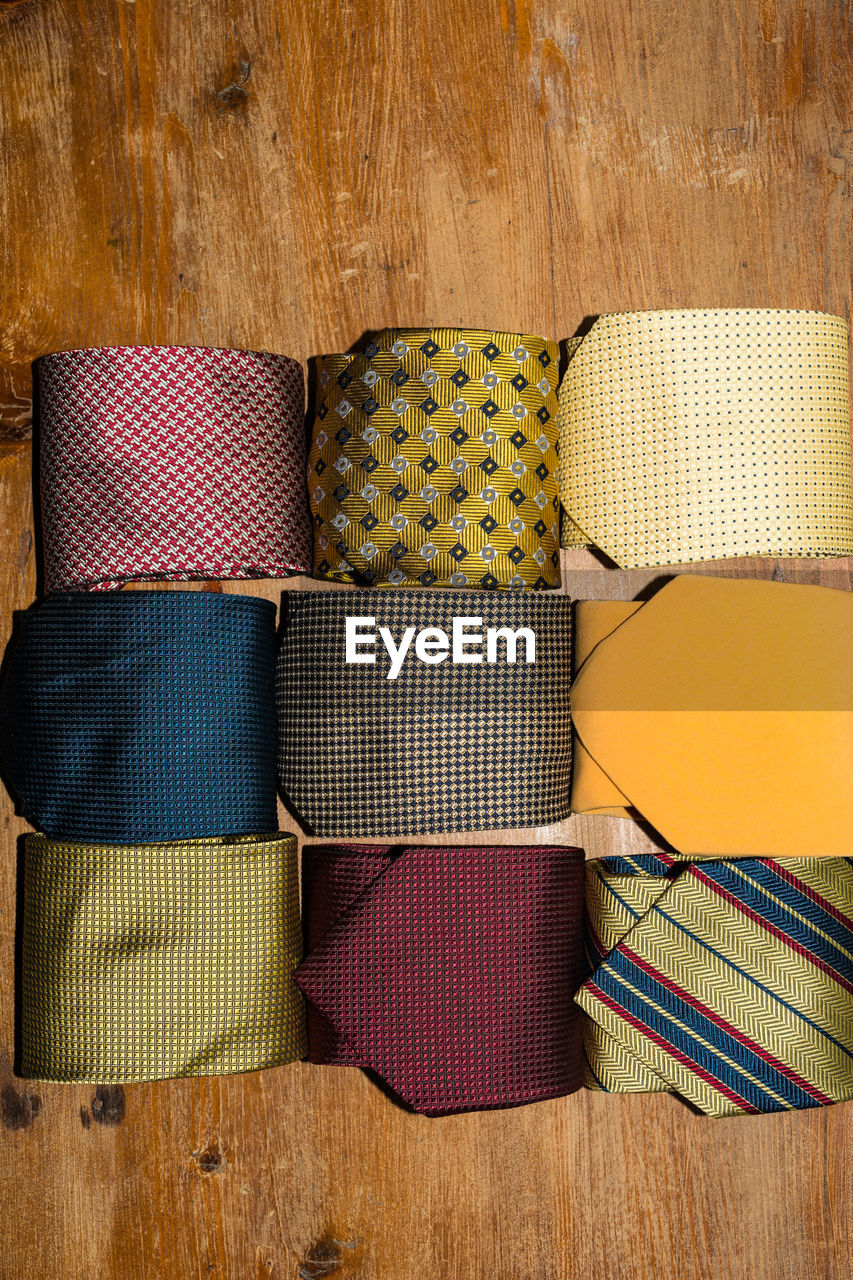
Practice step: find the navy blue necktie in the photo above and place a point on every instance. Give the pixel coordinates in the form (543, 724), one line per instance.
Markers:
(143, 716)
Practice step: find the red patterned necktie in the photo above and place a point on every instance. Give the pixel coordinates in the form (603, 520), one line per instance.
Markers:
(171, 463)
(447, 971)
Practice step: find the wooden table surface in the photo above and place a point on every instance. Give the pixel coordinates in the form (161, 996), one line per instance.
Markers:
(288, 175)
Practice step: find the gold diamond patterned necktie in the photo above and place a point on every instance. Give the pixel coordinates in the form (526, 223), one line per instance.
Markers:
(700, 435)
(433, 461)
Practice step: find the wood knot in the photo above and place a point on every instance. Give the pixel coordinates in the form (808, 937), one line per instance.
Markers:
(18, 1110)
(211, 1159)
(323, 1259)
(233, 97)
(108, 1106)
(330, 1257)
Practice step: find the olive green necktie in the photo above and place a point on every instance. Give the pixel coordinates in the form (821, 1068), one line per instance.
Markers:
(433, 461)
(142, 962)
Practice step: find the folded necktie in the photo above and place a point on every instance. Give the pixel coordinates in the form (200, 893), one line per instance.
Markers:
(696, 435)
(722, 711)
(142, 962)
(433, 461)
(729, 982)
(447, 971)
(143, 716)
(403, 712)
(170, 463)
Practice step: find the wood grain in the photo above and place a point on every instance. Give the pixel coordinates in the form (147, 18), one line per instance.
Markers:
(288, 175)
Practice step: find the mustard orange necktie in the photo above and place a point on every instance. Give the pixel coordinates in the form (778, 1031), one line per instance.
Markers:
(722, 711)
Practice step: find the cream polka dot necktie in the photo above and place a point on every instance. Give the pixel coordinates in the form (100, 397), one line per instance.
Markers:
(701, 435)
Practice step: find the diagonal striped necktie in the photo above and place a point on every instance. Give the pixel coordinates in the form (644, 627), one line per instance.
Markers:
(729, 982)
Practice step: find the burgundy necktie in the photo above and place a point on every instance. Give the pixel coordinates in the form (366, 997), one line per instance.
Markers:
(447, 971)
(171, 463)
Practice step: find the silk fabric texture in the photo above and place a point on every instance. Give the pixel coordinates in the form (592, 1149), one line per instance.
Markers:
(729, 982)
(447, 971)
(441, 746)
(700, 435)
(433, 460)
(721, 711)
(171, 463)
(146, 961)
(143, 716)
